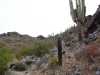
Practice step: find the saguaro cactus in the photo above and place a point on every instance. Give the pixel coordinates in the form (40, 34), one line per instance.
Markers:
(78, 14)
(59, 50)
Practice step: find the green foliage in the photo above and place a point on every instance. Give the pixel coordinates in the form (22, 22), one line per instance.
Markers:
(24, 51)
(5, 57)
(20, 66)
(40, 48)
(86, 24)
(59, 50)
(69, 31)
(68, 37)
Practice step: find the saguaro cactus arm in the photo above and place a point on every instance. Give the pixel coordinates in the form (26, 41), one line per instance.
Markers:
(79, 12)
(72, 10)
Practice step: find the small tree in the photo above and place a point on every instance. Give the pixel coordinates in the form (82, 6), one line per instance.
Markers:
(78, 15)
(5, 57)
(59, 50)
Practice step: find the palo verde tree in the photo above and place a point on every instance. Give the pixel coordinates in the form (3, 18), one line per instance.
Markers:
(59, 50)
(78, 15)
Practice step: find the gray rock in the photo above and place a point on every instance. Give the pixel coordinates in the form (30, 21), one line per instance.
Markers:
(90, 36)
(77, 72)
(97, 70)
(76, 39)
(67, 44)
(42, 60)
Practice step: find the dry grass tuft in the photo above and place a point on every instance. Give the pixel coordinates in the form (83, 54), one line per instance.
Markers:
(98, 40)
(85, 69)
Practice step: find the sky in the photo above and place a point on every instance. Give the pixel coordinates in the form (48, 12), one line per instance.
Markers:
(38, 17)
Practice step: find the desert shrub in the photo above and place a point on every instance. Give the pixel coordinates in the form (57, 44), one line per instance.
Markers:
(5, 57)
(91, 51)
(20, 66)
(68, 37)
(52, 61)
(24, 51)
(40, 48)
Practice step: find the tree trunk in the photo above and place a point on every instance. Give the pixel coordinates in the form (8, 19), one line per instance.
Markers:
(79, 31)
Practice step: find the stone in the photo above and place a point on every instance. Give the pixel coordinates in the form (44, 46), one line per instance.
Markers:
(67, 44)
(97, 70)
(23, 59)
(90, 36)
(77, 72)
(26, 73)
(42, 60)
(76, 39)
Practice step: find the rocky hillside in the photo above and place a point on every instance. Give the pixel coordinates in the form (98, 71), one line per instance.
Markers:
(14, 40)
(77, 58)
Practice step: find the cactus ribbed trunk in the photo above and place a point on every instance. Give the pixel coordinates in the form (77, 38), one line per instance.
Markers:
(59, 51)
(78, 15)
(79, 31)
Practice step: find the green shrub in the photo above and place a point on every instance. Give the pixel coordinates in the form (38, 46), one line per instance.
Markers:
(20, 66)
(40, 48)
(68, 37)
(24, 51)
(5, 57)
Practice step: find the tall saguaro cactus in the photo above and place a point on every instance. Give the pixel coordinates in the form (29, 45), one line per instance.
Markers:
(78, 14)
(59, 50)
